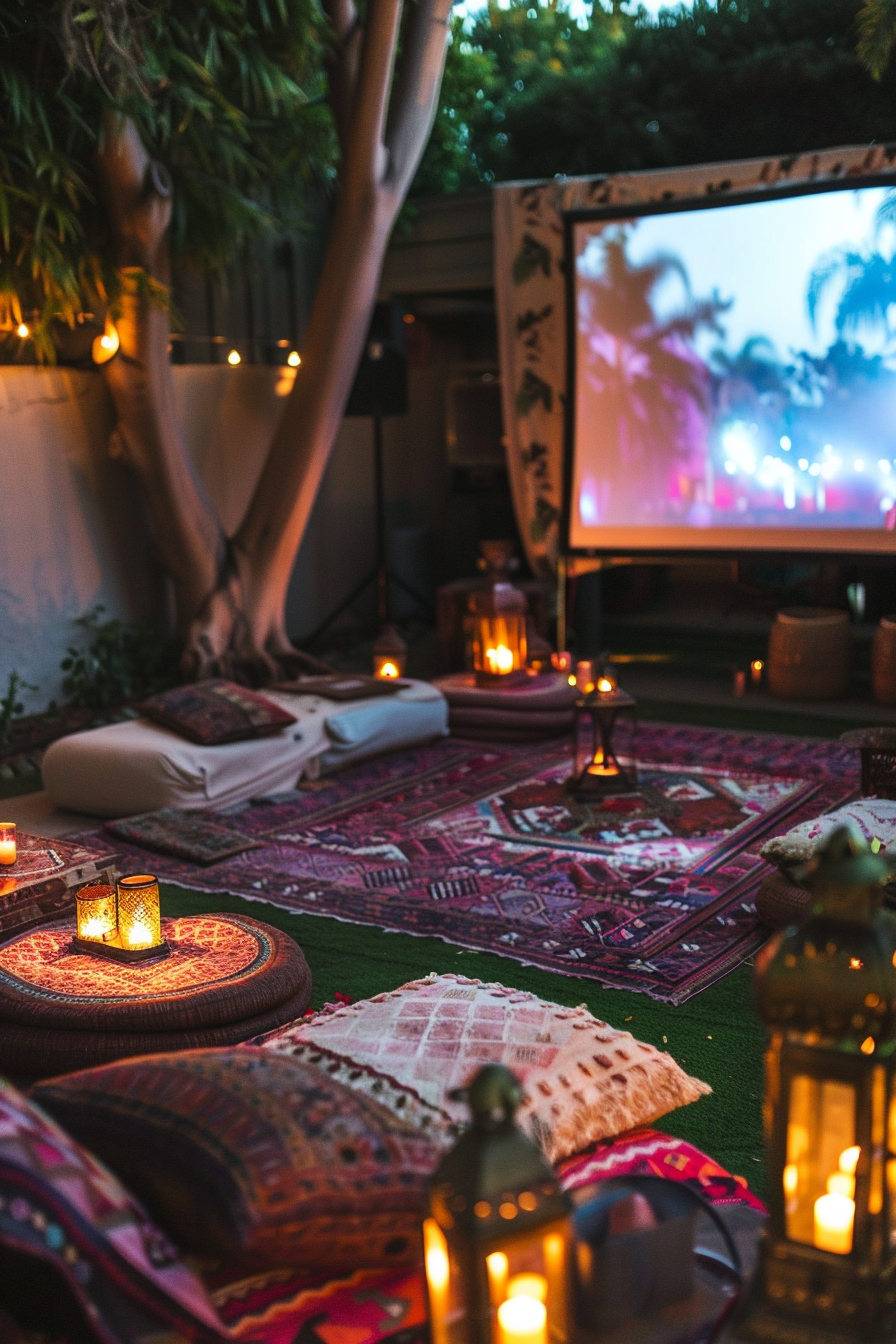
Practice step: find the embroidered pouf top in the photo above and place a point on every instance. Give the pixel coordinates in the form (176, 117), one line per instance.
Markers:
(226, 978)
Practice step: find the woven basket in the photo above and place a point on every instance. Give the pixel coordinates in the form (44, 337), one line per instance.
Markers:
(809, 654)
(779, 902)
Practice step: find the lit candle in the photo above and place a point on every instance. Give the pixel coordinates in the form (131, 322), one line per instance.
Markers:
(585, 676)
(561, 662)
(139, 924)
(7, 842)
(438, 1274)
(497, 1265)
(522, 1320)
(95, 913)
(605, 685)
(387, 670)
(756, 671)
(500, 659)
(834, 1215)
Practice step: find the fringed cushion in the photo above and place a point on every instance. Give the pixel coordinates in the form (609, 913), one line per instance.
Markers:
(60, 1209)
(582, 1079)
(256, 1158)
(216, 711)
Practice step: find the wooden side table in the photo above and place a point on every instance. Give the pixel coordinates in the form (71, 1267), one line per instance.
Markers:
(228, 978)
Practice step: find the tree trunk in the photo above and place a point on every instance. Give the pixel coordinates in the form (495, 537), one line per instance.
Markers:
(231, 596)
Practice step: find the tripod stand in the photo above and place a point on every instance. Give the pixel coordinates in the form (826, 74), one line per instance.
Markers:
(380, 575)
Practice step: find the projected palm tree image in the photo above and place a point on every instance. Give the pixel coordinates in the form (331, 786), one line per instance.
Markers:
(651, 390)
(736, 367)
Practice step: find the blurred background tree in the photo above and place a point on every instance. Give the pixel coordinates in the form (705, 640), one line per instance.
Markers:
(530, 92)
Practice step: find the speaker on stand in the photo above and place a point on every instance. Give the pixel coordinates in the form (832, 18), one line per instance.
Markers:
(380, 389)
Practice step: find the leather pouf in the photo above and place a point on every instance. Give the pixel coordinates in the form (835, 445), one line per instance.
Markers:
(780, 902)
(810, 654)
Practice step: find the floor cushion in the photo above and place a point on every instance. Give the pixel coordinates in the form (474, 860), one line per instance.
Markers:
(542, 707)
(61, 1209)
(873, 818)
(138, 766)
(582, 1079)
(255, 1157)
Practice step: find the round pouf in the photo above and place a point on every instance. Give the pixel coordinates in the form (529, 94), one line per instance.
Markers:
(809, 654)
(228, 978)
(883, 661)
(542, 707)
(780, 902)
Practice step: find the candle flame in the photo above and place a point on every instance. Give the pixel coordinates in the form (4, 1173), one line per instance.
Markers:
(233, 358)
(500, 659)
(388, 670)
(606, 685)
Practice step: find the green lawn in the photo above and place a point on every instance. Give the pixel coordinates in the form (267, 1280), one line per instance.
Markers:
(715, 1036)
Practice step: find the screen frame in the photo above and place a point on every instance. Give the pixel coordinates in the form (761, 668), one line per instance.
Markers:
(712, 542)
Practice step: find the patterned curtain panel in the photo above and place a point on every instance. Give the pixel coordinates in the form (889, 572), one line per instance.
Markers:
(531, 301)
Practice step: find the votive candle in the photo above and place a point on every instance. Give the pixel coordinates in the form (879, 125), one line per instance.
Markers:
(7, 842)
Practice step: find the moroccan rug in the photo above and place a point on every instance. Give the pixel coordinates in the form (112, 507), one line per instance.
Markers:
(480, 845)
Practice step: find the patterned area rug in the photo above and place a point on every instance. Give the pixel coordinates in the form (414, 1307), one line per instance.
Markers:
(480, 844)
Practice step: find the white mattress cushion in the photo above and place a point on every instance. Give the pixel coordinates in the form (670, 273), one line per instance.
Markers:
(137, 766)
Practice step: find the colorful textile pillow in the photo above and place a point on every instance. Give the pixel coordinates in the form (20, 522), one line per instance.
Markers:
(59, 1208)
(256, 1158)
(873, 818)
(582, 1079)
(213, 712)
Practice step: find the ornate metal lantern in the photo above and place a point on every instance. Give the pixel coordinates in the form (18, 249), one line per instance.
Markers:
(497, 1239)
(597, 772)
(827, 993)
(497, 621)
(390, 654)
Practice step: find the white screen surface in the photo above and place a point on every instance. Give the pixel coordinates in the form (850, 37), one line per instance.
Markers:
(735, 376)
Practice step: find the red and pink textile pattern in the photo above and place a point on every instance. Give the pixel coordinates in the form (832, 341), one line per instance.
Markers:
(479, 844)
(368, 1307)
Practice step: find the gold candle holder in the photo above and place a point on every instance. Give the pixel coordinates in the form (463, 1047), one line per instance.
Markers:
(122, 924)
(95, 913)
(139, 920)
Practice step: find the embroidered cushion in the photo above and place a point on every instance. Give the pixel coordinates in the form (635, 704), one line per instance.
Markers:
(256, 1158)
(60, 1208)
(582, 1079)
(216, 711)
(873, 818)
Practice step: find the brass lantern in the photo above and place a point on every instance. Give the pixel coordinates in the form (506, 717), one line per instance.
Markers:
(497, 622)
(597, 772)
(827, 993)
(390, 654)
(497, 1239)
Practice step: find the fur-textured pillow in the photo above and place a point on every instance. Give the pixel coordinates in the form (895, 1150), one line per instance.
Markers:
(216, 711)
(873, 818)
(582, 1079)
(256, 1158)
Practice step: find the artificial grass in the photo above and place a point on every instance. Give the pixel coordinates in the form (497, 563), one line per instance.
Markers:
(715, 1036)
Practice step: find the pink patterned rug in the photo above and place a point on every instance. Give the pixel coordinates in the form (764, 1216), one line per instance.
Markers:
(480, 845)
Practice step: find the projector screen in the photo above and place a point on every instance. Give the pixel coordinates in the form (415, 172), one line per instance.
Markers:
(733, 375)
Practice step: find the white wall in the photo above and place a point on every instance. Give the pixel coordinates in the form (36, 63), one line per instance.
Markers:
(73, 532)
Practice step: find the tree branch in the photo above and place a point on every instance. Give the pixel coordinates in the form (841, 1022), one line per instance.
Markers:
(365, 157)
(412, 108)
(343, 64)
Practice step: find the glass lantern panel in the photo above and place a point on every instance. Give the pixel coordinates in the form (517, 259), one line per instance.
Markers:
(822, 1155)
(499, 644)
(527, 1283)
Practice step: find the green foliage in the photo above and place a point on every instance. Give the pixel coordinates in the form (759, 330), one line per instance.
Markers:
(227, 95)
(877, 35)
(11, 707)
(529, 93)
(122, 661)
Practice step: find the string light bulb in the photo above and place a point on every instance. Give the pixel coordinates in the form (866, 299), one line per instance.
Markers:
(105, 346)
(294, 359)
(233, 358)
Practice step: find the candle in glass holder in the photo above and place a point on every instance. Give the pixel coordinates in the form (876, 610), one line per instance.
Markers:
(7, 842)
(139, 921)
(522, 1320)
(95, 914)
(834, 1217)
